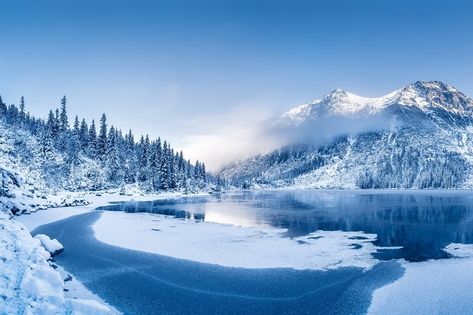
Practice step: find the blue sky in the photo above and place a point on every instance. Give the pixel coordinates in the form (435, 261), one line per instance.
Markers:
(201, 73)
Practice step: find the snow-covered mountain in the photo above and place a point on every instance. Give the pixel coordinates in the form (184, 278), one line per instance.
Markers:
(420, 136)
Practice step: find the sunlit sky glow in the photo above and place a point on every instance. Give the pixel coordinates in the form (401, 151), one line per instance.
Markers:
(203, 74)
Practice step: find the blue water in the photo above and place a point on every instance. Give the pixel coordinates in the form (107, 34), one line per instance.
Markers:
(142, 283)
(422, 222)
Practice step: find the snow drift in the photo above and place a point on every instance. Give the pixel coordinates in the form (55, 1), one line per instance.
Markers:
(28, 283)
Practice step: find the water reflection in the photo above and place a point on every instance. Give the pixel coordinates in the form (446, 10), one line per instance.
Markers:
(421, 222)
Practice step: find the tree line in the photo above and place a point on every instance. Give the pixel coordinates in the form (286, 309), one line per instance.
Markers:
(151, 164)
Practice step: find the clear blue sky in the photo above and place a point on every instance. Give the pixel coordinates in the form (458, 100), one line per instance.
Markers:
(190, 70)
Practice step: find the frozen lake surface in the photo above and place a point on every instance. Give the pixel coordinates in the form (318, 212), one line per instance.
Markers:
(137, 282)
(421, 222)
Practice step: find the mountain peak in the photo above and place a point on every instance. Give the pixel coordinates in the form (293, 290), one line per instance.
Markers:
(336, 95)
(337, 91)
(438, 86)
(428, 96)
(435, 94)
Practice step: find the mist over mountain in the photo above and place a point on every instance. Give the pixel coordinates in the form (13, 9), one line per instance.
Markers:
(419, 136)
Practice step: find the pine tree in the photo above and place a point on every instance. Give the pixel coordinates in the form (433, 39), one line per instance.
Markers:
(203, 172)
(143, 171)
(114, 171)
(52, 127)
(172, 177)
(3, 108)
(73, 148)
(46, 143)
(57, 119)
(189, 169)
(22, 110)
(92, 141)
(63, 141)
(76, 128)
(130, 159)
(197, 170)
(102, 139)
(83, 135)
(156, 161)
(154, 166)
(164, 168)
(63, 121)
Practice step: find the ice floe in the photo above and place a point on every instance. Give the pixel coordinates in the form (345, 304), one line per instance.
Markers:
(440, 286)
(234, 246)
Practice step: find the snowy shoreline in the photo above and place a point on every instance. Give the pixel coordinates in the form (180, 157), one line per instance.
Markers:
(30, 285)
(43, 289)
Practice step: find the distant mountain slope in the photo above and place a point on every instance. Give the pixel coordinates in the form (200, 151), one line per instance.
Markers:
(420, 136)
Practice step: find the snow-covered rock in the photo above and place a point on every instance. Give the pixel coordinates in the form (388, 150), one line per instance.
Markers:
(51, 245)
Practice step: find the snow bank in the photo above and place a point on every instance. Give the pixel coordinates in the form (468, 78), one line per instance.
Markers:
(431, 287)
(51, 245)
(92, 201)
(28, 284)
(235, 246)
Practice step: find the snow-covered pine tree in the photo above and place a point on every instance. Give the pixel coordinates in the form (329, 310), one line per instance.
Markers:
(22, 115)
(83, 135)
(143, 160)
(92, 141)
(172, 169)
(3, 109)
(164, 168)
(102, 139)
(130, 161)
(63, 120)
(76, 126)
(112, 160)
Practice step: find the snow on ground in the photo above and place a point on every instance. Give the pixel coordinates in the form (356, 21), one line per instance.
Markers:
(94, 200)
(234, 246)
(432, 287)
(28, 283)
(33, 220)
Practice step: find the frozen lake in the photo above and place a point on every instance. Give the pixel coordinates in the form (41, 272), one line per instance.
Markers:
(421, 222)
(137, 282)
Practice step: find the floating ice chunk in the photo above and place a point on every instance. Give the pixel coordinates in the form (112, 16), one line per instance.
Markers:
(236, 246)
(51, 245)
(459, 250)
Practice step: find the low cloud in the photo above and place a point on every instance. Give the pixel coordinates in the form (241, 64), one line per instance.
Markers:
(326, 128)
(231, 137)
(249, 132)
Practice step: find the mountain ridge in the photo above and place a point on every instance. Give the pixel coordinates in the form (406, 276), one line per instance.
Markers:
(419, 94)
(422, 139)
